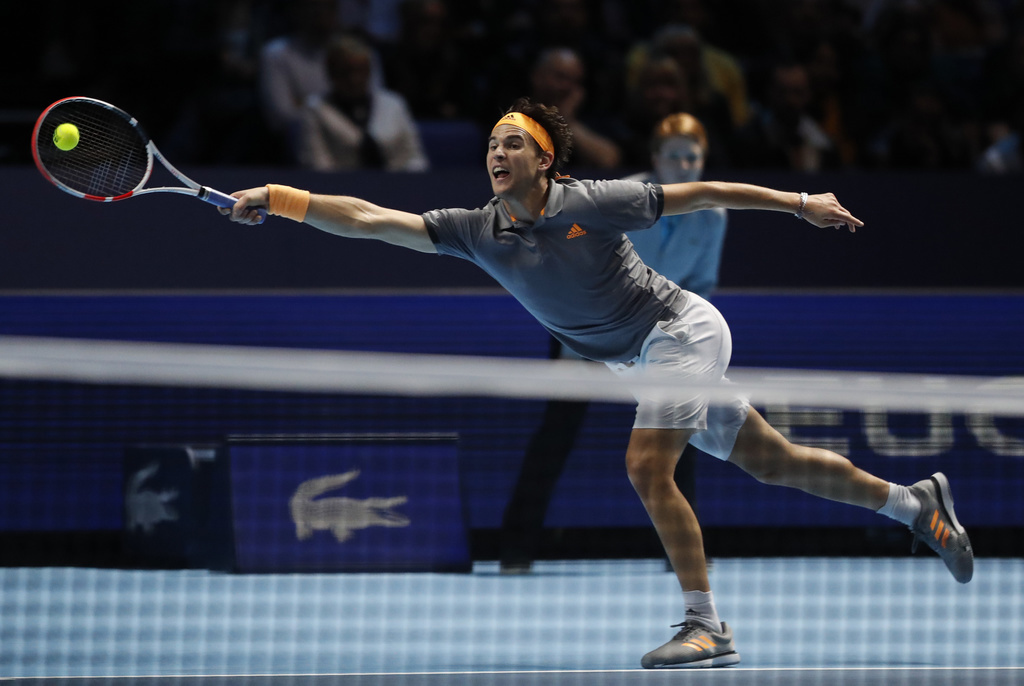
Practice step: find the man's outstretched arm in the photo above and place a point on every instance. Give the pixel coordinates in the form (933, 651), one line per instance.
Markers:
(337, 214)
(821, 210)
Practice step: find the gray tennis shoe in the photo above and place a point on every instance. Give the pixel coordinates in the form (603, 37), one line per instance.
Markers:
(938, 527)
(695, 646)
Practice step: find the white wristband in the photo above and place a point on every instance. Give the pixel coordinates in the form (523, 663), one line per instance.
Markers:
(799, 214)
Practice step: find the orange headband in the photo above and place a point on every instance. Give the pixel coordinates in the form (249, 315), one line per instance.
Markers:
(536, 131)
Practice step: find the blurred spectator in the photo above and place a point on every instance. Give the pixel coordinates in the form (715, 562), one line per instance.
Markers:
(901, 58)
(916, 98)
(1003, 87)
(707, 72)
(293, 67)
(783, 134)
(428, 65)
(1004, 156)
(557, 79)
(521, 31)
(458, 60)
(355, 126)
(657, 90)
(714, 77)
(831, 97)
(376, 21)
(575, 24)
(218, 124)
(923, 135)
(964, 32)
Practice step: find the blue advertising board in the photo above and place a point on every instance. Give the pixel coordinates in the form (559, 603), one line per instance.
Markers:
(61, 446)
(347, 503)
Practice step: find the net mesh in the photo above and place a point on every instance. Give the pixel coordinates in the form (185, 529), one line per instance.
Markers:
(111, 157)
(173, 509)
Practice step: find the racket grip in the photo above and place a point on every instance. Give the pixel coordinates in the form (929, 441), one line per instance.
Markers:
(224, 200)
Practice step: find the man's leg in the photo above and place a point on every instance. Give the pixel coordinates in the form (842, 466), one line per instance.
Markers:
(686, 481)
(650, 462)
(765, 454)
(926, 507)
(703, 640)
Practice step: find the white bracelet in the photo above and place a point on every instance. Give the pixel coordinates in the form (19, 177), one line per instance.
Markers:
(799, 214)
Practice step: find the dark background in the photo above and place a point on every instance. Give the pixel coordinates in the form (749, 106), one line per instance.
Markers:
(941, 230)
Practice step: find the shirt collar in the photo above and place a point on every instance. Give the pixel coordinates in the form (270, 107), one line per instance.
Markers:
(555, 202)
(556, 198)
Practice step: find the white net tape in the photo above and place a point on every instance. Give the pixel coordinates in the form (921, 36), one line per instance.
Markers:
(276, 369)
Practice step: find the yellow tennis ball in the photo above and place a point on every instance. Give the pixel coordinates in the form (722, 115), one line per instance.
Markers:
(66, 136)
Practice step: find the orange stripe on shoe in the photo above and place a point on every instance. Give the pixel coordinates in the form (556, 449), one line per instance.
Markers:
(935, 518)
(945, 537)
(938, 531)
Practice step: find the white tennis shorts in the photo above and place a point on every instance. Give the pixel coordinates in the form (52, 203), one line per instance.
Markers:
(694, 346)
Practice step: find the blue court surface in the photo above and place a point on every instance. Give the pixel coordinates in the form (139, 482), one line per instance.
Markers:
(832, 621)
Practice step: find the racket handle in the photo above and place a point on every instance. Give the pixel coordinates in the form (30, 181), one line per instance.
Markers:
(224, 200)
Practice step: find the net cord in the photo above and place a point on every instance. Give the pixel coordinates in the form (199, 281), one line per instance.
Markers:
(326, 371)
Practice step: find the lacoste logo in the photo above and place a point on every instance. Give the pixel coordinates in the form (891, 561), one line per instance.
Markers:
(147, 508)
(340, 516)
(575, 232)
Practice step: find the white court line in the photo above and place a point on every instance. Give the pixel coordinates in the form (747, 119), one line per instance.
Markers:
(525, 671)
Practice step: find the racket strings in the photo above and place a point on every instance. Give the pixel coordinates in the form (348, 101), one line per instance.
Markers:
(111, 158)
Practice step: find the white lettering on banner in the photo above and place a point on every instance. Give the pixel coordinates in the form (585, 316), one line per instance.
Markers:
(939, 436)
(340, 516)
(784, 418)
(146, 509)
(984, 428)
(883, 441)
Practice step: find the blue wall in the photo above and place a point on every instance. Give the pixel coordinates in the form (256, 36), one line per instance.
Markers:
(61, 445)
(923, 231)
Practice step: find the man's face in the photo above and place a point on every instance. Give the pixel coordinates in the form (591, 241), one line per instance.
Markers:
(791, 91)
(556, 80)
(679, 159)
(350, 75)
(513, 162)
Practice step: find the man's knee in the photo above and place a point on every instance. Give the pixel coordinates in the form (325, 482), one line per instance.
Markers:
(651, 461)
(762, 452)
(643, 466)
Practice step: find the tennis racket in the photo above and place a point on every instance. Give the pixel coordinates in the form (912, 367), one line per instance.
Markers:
(113, 159)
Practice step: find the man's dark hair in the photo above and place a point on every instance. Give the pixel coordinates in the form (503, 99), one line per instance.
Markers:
(556, 126)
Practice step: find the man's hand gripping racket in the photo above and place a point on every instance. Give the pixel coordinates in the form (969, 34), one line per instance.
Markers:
(250, 207)
(112, 158)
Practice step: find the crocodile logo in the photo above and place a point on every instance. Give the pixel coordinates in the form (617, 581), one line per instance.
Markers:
(147, 508)
(341, 516)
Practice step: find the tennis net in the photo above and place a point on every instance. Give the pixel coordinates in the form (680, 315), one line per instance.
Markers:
(175, 508)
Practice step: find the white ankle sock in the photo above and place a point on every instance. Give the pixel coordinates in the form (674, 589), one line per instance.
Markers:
(700, 607)
(902, 505)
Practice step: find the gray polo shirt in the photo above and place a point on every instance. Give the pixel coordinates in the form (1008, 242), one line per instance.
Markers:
(572, 269)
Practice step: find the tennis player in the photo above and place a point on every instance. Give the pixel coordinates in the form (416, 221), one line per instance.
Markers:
(557, 245)
(685, 248)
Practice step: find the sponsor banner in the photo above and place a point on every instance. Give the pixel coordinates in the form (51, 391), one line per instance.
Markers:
(176, 505)
(354, 503)
(982, 455)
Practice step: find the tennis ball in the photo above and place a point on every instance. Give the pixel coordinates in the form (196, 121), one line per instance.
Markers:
(66, 136)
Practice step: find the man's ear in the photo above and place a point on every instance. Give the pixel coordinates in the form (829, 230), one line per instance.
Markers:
(546, 160)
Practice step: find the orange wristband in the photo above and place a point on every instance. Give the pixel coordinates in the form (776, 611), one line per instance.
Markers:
(285, 201)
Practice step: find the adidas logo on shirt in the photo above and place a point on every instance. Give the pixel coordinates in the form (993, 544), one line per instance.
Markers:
(575, 232)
